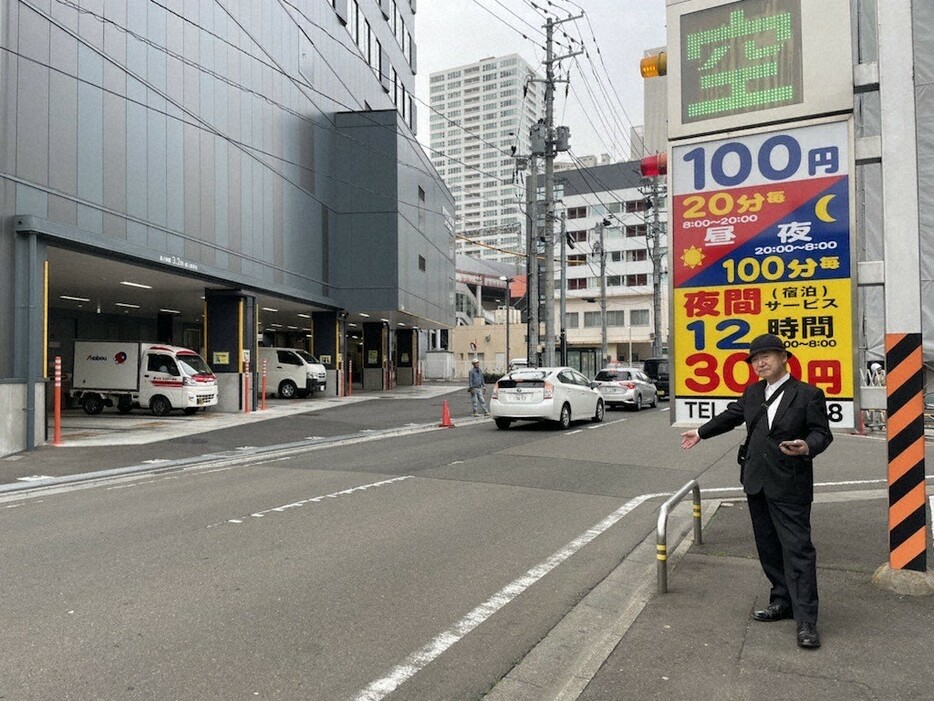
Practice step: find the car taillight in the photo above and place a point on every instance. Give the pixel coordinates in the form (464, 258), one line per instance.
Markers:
(495, 390)
(549, 391)
(630, 385)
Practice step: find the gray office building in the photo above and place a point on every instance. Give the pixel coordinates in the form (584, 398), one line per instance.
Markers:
(214, 175)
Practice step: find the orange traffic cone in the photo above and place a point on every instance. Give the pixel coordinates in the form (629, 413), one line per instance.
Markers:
(445, 416)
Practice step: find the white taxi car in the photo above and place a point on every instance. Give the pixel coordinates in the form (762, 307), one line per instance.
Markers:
(559, 394)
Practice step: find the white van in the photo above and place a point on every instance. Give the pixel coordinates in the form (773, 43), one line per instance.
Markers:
(126, 374)
(291, 372)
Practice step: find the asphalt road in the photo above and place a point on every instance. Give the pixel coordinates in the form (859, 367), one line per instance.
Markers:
(419, 567)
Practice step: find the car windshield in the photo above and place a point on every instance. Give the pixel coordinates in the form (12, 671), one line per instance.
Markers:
(610, 375)
(525, 375)
(193, 364)
(307, 357)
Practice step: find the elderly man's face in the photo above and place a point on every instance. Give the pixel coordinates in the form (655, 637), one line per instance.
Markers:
(769, 365)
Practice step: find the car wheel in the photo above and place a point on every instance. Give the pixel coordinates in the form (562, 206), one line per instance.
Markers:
(160, 406)
(503, 424)
(601, 410)
(637, 405)
(654, 403)
(92, 404)
(565, 421)
(287, 389)
(124, 405)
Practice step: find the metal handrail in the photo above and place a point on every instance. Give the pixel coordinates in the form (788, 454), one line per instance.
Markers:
(661, 554)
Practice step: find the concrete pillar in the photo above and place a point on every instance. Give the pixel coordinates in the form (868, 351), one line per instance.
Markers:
(230, 341)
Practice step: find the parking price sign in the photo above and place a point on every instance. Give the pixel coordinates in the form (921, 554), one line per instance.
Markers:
(760, 243)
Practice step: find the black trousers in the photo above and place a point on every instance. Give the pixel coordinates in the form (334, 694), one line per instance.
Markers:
(787, 556)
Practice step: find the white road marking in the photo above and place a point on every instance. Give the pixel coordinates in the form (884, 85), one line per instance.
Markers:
(571, 433)
(33, 478)
(313, 500)
(381, 688)
(155, 461)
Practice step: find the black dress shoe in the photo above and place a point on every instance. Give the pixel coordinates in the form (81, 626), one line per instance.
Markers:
(807, 636)
(774, 612)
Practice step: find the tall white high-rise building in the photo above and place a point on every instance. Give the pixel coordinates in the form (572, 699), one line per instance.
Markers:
(479, 113)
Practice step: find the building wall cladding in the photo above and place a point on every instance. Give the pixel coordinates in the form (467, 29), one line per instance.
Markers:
(194, 129)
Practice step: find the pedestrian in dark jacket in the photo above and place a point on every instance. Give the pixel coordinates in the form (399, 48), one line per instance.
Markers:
(778, 479)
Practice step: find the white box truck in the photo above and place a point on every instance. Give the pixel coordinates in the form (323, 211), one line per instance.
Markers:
(291, 372)
(127, 374)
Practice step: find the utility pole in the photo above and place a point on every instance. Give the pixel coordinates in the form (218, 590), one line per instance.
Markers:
(602, 253)
(531, 184)
(563, 340)
(553, 142)
(657, 252)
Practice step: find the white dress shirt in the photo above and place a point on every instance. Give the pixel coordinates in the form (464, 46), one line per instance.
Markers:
(769, 391)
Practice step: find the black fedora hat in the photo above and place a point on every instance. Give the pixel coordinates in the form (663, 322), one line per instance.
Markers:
(766, 342)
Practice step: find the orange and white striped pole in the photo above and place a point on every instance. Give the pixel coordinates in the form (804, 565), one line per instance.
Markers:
(57, 416)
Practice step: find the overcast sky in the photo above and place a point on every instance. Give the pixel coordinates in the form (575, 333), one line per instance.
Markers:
(455, 32)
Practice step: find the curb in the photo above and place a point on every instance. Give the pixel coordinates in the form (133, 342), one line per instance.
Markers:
(564, 662)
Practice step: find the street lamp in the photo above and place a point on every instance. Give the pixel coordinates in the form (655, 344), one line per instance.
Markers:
(508, 301)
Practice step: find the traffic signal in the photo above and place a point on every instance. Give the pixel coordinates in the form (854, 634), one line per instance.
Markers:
(653, 166)
(654, 66)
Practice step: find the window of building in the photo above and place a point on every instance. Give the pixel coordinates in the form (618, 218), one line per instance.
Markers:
(614, 280)
(422, 263)
(639, 317)
(635, 206)
(578, 235)
(577, 212)
(577, 259)
(579, 283)
(572, 320)
(636, 255)
(421, 209)
(637, 280)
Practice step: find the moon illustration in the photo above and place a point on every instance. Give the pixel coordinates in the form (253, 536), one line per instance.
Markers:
(820, 209)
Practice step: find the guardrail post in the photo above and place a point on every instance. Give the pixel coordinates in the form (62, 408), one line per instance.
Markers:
(661, 554)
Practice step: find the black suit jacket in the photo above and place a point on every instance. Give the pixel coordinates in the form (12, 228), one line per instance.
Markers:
(801, 413)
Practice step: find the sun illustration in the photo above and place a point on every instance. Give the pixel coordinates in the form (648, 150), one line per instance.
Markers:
(692, 257)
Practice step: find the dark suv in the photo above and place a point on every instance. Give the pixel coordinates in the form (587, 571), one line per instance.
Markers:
(657, 370)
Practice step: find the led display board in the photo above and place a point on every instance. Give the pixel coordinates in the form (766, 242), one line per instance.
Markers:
(751, 62)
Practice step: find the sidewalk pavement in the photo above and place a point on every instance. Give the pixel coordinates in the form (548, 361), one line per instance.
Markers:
(624, 641)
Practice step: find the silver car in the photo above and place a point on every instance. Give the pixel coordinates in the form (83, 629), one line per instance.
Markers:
(559, 394)
(626, 387)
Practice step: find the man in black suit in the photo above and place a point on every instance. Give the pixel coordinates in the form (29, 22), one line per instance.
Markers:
(778, 479)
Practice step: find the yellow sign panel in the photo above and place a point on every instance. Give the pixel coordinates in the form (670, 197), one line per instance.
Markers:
(813, 318)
